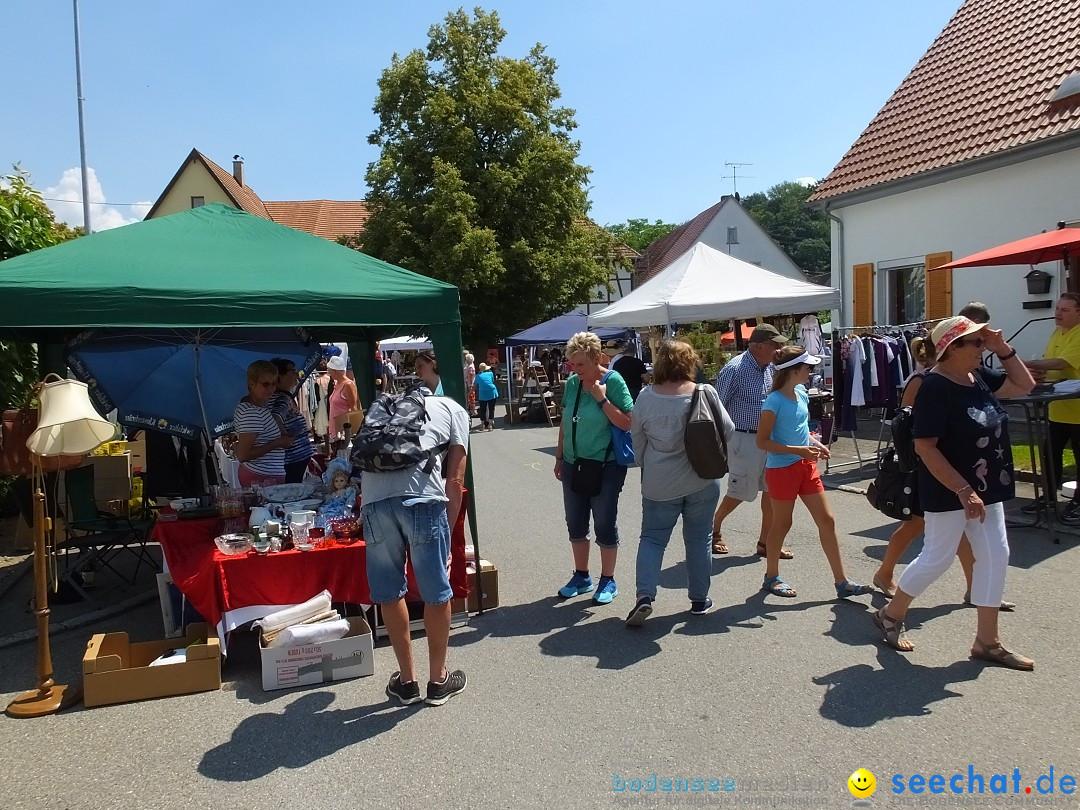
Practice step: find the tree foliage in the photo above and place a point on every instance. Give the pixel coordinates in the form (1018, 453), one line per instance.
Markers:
(26, 224)
(477, 181)
(803, 232)
(639, 233)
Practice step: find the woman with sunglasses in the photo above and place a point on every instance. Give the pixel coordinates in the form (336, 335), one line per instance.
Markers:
(965, 476)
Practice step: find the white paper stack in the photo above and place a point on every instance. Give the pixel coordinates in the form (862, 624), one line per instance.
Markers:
(310, 622)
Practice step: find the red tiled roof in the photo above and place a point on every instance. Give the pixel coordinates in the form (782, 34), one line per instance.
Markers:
(672, 245)
(326, 218)
(243, 196)
(982, 89)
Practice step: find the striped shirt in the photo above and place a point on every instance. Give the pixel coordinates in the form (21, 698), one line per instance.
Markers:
(295, 425)
(250, 418)
(743, 385)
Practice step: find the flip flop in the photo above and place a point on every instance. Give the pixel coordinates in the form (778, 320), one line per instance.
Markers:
(718, 544)
(785, 553)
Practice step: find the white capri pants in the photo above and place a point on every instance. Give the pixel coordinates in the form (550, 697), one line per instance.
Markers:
(988, 542)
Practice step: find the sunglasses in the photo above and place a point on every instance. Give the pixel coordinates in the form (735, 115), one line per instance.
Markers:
(978, 342)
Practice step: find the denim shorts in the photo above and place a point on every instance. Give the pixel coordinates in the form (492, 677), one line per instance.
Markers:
(603, 507)
(389, 527)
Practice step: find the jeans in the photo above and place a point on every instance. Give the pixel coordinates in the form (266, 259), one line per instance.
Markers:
(1059, 435)
(390, 526)
(487, 410)
(604, 507)
(658, 521)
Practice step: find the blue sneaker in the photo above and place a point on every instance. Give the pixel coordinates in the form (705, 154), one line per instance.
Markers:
(577, 586)
(605, 593)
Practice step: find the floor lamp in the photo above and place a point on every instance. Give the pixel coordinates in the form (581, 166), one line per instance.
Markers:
(68, 425)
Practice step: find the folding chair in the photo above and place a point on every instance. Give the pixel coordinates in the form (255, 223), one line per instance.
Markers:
(98, 536)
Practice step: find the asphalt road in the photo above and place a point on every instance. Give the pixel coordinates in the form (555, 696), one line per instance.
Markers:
(779, 700)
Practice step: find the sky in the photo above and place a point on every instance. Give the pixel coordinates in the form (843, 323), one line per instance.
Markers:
(666, 94)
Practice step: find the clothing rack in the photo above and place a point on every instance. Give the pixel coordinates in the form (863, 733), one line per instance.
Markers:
(874, 328)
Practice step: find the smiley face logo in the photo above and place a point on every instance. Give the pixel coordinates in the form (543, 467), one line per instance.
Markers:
(862, 784)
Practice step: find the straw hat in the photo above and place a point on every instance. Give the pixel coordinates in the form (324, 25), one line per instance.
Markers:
(952, 329)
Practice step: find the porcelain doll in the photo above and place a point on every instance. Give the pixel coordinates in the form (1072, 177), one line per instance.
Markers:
(341, 497)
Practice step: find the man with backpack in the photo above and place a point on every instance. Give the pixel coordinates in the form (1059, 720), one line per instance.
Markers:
(412, 450)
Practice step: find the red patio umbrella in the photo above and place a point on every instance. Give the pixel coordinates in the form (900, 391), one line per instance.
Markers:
(1061, 244)
(729, 336)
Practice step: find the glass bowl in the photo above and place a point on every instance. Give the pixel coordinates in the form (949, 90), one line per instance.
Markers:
(232, 544)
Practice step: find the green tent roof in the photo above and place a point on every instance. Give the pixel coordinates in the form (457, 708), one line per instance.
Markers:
(216, 266)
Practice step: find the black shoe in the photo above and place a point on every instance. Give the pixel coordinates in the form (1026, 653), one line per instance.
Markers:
(453, 684)
(1071, 515)
(1033, 507)
(642, 610)
(406, 693)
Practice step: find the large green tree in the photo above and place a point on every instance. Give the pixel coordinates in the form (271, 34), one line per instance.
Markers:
(477, 181)
(802, 231)
(639, 233)
(26, 224)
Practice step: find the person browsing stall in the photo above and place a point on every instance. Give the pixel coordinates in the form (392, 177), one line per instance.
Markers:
(743, 383)
(791, 470)
(1061, 361)
(593, 401)
(965, 476)
(630, 367)
(427, 370)
(261, 439)
(344, 398)
(283, 405)
(414, 511)
(486, 395)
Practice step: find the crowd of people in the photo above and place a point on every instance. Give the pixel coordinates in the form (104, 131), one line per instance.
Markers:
(961, 441)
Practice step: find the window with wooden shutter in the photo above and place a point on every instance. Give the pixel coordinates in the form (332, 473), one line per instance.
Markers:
(863, 286)
(939, 303)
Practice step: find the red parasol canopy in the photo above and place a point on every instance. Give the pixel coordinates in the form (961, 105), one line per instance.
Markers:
(729, 336)
(1061, 244)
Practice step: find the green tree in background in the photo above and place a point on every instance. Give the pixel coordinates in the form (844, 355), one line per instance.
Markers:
(26, 224)
(639, 233)
(477, 182)
(802, 232)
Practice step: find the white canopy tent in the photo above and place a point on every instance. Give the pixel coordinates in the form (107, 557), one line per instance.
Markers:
(705, 284)
(403, 344)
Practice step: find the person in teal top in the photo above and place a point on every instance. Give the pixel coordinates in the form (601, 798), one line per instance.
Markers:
(486, 394)
(594, 399)
(791, 471)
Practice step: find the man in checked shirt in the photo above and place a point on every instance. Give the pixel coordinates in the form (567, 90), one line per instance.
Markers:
(743, 384)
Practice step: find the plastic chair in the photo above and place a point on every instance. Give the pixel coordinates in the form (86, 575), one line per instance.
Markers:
(96, 535)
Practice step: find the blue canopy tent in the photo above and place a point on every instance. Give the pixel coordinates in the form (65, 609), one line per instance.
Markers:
(562, 328)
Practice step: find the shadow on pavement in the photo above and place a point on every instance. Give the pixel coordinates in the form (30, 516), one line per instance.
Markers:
(301, 734)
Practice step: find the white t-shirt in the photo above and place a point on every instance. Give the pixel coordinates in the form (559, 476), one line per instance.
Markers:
(448, 424)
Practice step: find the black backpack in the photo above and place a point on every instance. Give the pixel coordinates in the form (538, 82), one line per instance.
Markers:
(903, 439)
(389, 437)
(704, 437)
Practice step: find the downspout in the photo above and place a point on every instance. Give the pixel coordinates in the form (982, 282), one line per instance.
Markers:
(839, 281)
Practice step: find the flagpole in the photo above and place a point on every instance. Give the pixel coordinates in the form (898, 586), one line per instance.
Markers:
(82, 125)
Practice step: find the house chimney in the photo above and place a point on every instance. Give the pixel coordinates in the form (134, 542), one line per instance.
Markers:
(238, 169)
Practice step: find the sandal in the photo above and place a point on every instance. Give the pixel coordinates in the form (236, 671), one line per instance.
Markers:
(879, 583)
(893, 632)
(996, 654)
(777, 587)
(1006, 606)
(785, 553)
(718, 544)
(850, 587)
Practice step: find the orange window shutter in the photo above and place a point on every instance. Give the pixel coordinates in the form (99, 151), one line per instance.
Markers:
(939, 303)
(863, 286)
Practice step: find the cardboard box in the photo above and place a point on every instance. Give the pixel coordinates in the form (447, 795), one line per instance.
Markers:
(349, 657)
(117, 671)
(489, 588)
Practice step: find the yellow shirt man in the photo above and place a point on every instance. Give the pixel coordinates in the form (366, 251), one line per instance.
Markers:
(1065, 345)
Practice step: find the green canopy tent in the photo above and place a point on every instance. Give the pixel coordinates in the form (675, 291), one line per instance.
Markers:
(216, 266)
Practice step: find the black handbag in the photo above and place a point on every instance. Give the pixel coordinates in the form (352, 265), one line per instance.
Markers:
(893, 490)
(588, 473)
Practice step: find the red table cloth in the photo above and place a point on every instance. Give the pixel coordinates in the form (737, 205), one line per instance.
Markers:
(215, 583)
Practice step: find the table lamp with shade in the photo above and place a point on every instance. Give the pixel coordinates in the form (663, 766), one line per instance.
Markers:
(68, 425)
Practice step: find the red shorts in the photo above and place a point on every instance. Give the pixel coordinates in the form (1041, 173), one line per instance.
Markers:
(788, 483)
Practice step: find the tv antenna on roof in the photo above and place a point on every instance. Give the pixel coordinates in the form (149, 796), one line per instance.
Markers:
(735, 166)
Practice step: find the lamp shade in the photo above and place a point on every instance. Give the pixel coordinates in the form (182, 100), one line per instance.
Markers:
(68, 425)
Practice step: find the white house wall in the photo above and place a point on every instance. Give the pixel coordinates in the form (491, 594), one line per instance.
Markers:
(965, 216)
(754, 245)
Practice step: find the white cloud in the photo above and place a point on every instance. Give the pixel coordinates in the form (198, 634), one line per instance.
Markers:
(806, 181)
(65, 200)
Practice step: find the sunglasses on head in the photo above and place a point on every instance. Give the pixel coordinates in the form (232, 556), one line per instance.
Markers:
(977, 342)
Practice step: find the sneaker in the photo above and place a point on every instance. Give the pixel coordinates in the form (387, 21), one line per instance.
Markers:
(406, 693)
(1071, 515)
(453, 684)
(642, 610)
(1034, 506)
(576, 586)
(699, 607)
(605, 593)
